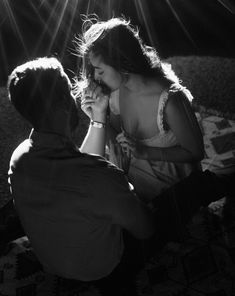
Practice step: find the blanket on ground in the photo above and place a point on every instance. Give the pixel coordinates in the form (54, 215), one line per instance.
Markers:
(203, 264)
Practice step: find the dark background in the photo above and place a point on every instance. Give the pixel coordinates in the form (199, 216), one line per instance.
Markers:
(31, 28)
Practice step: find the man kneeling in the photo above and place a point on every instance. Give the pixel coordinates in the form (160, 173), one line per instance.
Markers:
(73, 205)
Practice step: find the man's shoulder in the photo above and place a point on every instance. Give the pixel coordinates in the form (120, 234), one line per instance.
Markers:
(22, 149)
(100, 163)
(99, 167)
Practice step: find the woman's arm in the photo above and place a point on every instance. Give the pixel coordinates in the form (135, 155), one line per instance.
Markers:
(95, 104)
(94, 141)
(181, 119)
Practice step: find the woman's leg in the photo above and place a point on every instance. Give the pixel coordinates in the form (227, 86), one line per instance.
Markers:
(176, 206)
(174, 209)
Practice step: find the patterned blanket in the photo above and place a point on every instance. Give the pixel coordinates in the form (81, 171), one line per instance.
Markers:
(219, 140)
(204, 264)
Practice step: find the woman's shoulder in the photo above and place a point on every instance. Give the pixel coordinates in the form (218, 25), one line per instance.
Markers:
(179, 91)
(114, 102)
(171, 99)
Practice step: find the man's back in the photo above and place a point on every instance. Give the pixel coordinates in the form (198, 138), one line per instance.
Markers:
(59, 194)
(73, 206)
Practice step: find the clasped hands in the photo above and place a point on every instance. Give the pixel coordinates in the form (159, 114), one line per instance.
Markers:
(94, 102)
(131, 147)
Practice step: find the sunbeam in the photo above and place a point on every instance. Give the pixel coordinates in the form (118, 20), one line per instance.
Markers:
(208, 28)
(35, 9)
(181, 23)
(42, 3)
(3, 19)
(144, 13)
(15, 25)
(229, 5)
(59, 22)
(48, 24)
(68, 29)
(4, 55)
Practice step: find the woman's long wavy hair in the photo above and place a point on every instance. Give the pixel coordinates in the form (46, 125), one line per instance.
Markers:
(120, 46)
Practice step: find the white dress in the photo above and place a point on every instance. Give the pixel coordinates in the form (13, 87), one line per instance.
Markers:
(151, 177)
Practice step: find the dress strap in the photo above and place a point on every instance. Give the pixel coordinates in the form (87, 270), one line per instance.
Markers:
(161, 106)
(163, 100)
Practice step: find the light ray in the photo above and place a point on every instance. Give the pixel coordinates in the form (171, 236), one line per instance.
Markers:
(42, 3)
(46, 24)
(213, 30)
(142, 9)
(36, 11)
(60, 20)
(2, 20)
(3, 54)
(68, 29)
(228, 5)
(181, 23)
(15, 25)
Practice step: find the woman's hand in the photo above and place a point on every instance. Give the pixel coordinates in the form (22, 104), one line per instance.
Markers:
(130, 146)
(94, 103)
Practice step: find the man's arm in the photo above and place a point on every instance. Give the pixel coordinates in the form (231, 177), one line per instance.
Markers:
(113, 198)
(135, 217)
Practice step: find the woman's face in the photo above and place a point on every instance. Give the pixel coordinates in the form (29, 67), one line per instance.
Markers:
(105, 73)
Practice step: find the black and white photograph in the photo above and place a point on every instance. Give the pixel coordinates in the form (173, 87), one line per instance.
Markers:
(117, 147)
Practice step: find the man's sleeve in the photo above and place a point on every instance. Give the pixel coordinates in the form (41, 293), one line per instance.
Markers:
(109, 189)
(112, 197)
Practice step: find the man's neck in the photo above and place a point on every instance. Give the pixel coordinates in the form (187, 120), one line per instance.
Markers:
(58, 132)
